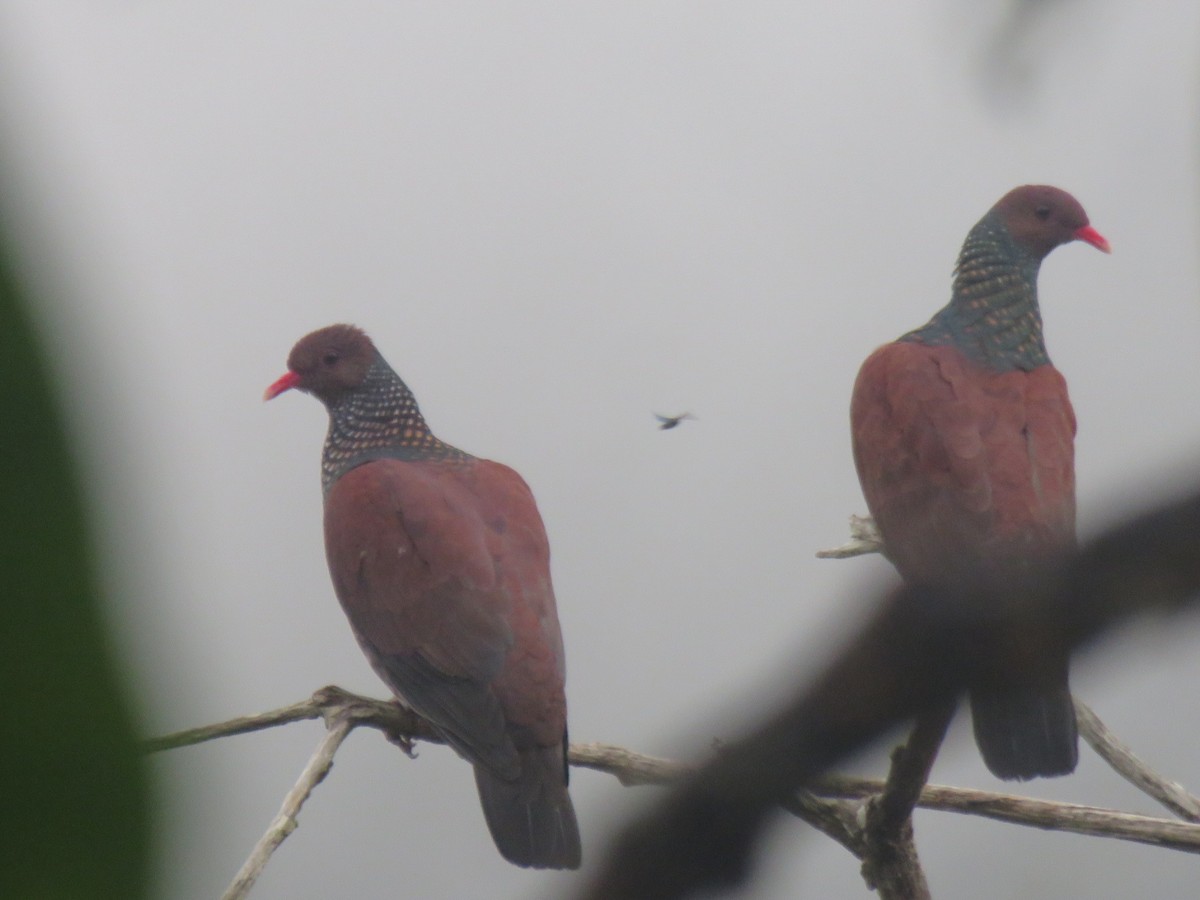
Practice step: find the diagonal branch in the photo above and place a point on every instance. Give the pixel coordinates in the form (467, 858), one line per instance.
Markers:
(286, 821)
(865, 539)
(891, 864)
(911, 657)
(836, 819)
(1169, 793)
(911, 764)
(297, 712)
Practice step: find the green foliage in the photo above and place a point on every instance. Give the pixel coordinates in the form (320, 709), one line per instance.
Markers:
(74, 792)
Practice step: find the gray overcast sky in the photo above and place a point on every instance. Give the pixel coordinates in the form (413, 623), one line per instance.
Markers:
(554, 219)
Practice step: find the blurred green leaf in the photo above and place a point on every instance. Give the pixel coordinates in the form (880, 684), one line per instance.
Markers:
(74, 791)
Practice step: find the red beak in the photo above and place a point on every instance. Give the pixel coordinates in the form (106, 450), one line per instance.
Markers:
(1093, 237)
(286, 382)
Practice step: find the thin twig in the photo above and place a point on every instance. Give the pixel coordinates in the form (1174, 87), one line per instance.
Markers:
(1049, 815)
(297, 712)
(285, 822)
(1169, 793)
(836, 819)
(627, 766)
(864, 539)
(327, 703)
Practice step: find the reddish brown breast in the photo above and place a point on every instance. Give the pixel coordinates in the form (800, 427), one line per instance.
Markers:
(450, 561)
(963, 469)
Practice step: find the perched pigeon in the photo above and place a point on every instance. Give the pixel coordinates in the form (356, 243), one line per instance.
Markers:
(442, 566)
(964, 443)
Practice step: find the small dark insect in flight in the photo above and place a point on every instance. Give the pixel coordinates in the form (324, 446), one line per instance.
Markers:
(666, 423)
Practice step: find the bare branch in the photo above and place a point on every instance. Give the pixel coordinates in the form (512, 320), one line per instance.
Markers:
(626, 766)
(913, 657)
(297, 712)
(285, 822)
(632, 768)
(1169, 793)
(1051, 815)
(920, 650)
(836, 819)
(327, 703)
(864, 539)
(911, 764)
(891, 864)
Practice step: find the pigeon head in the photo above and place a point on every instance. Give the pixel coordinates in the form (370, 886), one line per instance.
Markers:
(1040, 218)
(327, 364)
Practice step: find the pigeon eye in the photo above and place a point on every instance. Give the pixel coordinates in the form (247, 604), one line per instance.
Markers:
(1042, 212)
(331, 358)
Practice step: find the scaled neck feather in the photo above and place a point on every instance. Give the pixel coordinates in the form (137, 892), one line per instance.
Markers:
(378, 420)
(993, 315)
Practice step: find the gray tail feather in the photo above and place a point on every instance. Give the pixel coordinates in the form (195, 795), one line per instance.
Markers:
(1025, 732)
(531, 819)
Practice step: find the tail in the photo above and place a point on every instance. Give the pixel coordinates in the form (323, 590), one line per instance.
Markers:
(1025, 732)
(531, 819)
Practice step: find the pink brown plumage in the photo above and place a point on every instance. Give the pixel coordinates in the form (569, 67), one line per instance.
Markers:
(442, 566)
(963, 438)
